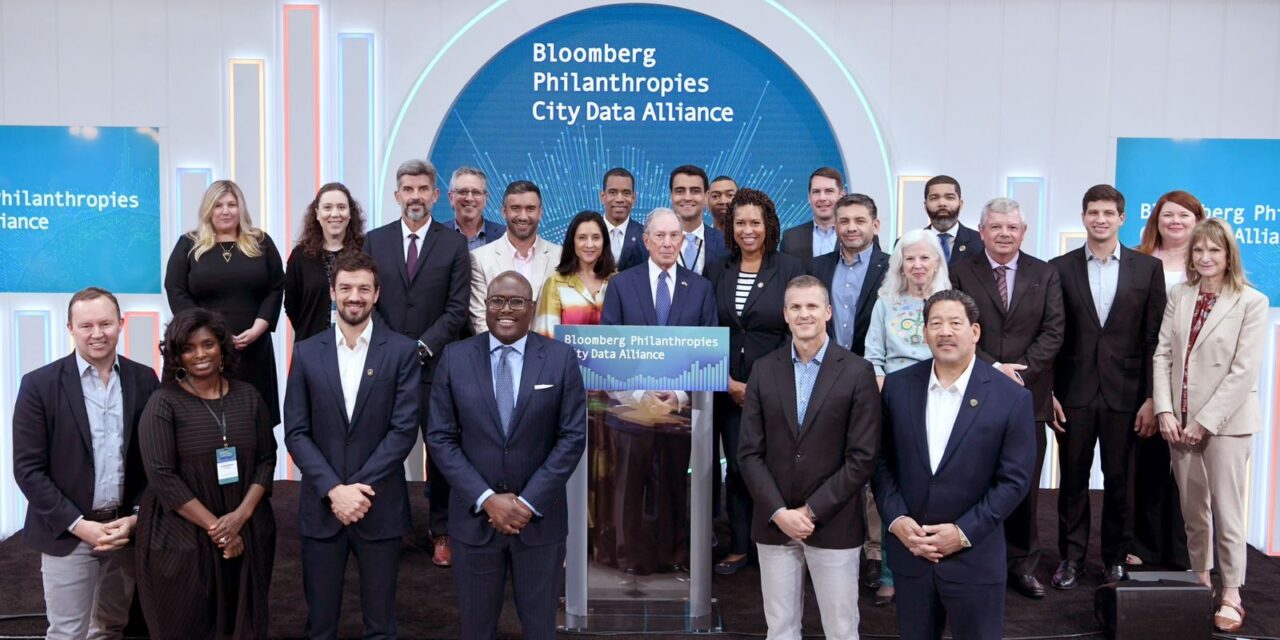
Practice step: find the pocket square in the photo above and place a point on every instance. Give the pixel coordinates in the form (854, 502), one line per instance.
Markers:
(540, 387)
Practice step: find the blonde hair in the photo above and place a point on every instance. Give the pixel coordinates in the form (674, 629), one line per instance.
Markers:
(248, 237)
(895, 285)
(1218, 232)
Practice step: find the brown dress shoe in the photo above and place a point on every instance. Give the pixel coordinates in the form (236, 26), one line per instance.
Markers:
(443, 555)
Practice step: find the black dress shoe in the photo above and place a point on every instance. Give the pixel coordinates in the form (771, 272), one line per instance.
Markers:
(871, 575)
(881, 601)
(1067, 575)
(1115, 573)
(1027, 585)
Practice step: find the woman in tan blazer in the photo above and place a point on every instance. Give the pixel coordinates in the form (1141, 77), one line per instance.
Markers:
(1206, 400)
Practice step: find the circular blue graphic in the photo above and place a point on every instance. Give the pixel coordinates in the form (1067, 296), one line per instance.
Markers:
(644, 87)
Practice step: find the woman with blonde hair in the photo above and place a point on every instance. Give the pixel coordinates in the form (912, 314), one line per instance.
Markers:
(1206, 400)
(227, 265)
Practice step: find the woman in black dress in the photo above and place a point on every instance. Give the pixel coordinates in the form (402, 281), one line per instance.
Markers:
(334, 224)
(229, 266)
(206, 533)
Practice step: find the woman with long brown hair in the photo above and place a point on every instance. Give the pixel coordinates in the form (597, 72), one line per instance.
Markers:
(333, 225)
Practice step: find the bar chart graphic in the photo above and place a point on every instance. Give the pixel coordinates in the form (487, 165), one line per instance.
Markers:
(625, 358)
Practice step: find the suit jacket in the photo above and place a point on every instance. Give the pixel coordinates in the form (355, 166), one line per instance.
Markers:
(1115, 358)
(433, 309)
(1030, 331)
(1222, 383)
(823, 463)
(495, 258)
(761, 328)
(53, 449)
(369, 447)
(984, 473)
(823, 268)
(713, 249)
(535, 459)
(798, 243)
(629, 301)
(633, 249)
(967, 243)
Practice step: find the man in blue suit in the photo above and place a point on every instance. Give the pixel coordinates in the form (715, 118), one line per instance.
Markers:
(351, 417)
(950, 471)
(508, 426)
(626, 236)
(660, 292)
(703, 245)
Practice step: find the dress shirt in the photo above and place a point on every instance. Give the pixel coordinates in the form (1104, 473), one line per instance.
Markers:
(404, 237)
(806, 376)
(476, 241)
(522, 264)
(1011, 272)
(941, 408)
(824, 240)
(1103, 280)
(654, 270)
(846, 287)
(351, 363)
(617, 237)
(701, 260)
(515, 360)
(105, 406)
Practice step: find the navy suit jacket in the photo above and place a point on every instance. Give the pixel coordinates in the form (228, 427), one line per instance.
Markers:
(537, 456)
(633, 249)
(823, 268)
(967, 243)
(53, 449)
(434, 308)
(629, 301)
(984, 473)
(713, 245)
(368, 448)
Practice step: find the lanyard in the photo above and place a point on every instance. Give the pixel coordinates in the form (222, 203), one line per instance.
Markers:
(221, 416)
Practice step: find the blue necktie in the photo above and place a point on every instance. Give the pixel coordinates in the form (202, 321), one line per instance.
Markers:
(945, 238)
(506, 391)
(663, 303)
(805, 389)
(690, 250)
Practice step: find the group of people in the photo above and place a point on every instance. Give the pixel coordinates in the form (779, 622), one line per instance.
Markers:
(885, 421)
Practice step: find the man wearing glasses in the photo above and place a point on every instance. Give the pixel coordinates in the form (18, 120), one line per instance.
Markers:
(468, 195)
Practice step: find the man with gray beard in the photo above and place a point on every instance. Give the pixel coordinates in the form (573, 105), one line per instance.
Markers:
(942, 203)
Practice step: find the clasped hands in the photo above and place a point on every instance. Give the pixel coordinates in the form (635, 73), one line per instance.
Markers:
(225, 533)
(106, 536)
(507, 513)
(350, 502)
(1173, 433)
(933, 542)
(798, 524)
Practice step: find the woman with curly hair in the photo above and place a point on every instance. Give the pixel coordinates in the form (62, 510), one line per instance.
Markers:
(333, 225)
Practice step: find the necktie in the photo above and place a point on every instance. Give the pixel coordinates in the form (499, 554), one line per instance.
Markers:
(411, 261)
(804, 389)
(691, 245)
(617, 239)
(505, 392)
(945, 238)
(1002, 283)
(663, 303)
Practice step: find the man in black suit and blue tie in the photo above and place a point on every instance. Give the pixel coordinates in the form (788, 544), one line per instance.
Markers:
(351, 417)
(660, 291)
(508, 426)
(950, 471)
(942, 203)
(703, 245)
(626, 236)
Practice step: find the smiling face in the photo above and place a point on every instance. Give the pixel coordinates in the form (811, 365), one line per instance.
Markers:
(688, 198)
(468, 195)
(588, 242)
(949, 334)
(1102, 220)
(506, 322)
(618, 198)
(1209, 259)
(856, 228)
(523, 212)
(201, 355)
(95, 326)
(1175, 223)
(807, 311)
(823, 194)
(748, 229)
(225, 216)
(333, 212)
(1002, 234)
(416, 195)
(355, 293)
(919, 265)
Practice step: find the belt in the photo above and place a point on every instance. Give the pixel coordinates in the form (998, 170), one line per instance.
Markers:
(104, 515)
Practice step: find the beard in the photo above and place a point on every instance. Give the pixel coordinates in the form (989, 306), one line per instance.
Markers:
(415, 215)
(944, 221)
(357, 318)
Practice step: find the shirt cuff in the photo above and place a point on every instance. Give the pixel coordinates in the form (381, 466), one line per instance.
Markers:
(424, 347)
(895, 521)
(72, 529)
(480, 501)
(526, 503)
(964, 540)
(775, 513)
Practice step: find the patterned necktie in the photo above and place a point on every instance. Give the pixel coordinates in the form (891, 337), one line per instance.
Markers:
(804, 389)
(617, 239)
(411, 261)
(945, 238)
(506, 391)
(691, 245)
(1002, 283)
(663, 303)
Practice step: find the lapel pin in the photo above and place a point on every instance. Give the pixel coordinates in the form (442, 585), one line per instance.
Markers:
(369, 373)
(962, 247)
(759, 285)
(973, 402)
(684, 283)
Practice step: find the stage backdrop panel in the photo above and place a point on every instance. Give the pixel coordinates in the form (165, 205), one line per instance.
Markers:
(79, 206)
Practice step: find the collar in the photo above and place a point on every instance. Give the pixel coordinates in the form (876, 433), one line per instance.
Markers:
(654, 270)
(422, 233)
(817, 228)
(610, 227)
(1012, 266)
(865, 254)
(817, 357)
(518, 345)
(515, 253)
(364, 337)
(83, 364)
(1088, 254)
(960, 384)
(484, 226)
(698, 233)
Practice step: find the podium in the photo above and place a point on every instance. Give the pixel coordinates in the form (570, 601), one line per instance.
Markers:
(638, 556)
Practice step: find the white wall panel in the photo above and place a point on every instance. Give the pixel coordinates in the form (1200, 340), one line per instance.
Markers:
(1140, 69)
(29, 59)
(1249, 103)
(1196, 43)
(140, 87)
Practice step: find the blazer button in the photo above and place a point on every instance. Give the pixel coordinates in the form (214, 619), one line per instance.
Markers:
(799, 455)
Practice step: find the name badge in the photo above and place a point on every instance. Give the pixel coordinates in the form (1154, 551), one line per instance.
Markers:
(227, 471)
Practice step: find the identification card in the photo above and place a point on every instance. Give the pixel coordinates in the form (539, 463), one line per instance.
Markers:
(227, 471)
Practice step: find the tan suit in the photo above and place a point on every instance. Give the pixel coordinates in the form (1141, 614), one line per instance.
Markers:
(1222, 396)
(499, 256)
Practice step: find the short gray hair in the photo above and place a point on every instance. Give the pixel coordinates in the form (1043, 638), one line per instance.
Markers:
(467, 171)
(417, 167)
(1000, 205)
(660, 211)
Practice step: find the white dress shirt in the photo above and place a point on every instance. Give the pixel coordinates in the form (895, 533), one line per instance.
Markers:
(1104, 277)
(617, 237)
(351, 363)
(523, 264)
(699, 261)
(654, 270)
(941, 408)
(404, 237)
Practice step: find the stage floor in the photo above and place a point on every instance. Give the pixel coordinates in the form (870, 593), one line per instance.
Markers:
(427, 604)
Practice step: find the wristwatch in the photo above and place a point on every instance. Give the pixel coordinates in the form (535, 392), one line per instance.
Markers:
(423, 351)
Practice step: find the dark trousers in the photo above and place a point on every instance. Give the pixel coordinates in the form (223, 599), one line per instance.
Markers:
(927, 603)
(324, 566)
(537, 578)
(1113, 431)
(437, 489)
(737, 498)
(1021, 533)
(651, 500)
(1159, 534)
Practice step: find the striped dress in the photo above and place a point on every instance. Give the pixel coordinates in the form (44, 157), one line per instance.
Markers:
(565, 300)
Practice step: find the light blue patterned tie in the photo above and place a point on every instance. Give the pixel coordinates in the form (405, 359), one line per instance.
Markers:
(506, 391)
(804, 389)
(691, 245)
(663, 304)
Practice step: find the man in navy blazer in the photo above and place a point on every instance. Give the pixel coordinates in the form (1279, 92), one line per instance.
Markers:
(951, 470)
(703, 245)
(942, 203)
(626, 236)
(351, 417)
(508, 426)
(859, 266)
(633, 296)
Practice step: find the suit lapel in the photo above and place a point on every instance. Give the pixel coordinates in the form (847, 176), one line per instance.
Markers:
(1227, 301)
(329, 358)
(789, 400)
(879, 262)
(987, 278)
(768, 269)
(1080, 269)
(373, 360)
(533, 360)
(827, 375)
(74, 393)
(645, 295)
(484, 373)
(1021, 281)
(679, 294)
(975, 394)
(916, 416)
(428, 242)
(129, 398)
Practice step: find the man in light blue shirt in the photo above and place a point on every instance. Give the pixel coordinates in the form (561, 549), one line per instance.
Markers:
(818, 237)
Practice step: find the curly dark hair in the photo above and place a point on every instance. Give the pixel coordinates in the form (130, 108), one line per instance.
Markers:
(772, 226)
(311, 242)
(179, 331)
(569, 256)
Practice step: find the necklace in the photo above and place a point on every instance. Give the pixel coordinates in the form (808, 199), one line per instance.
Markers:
(226, 251)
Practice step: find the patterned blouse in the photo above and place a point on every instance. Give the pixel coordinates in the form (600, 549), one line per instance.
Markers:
(1204, 306)
(895, 339)
(565, 300)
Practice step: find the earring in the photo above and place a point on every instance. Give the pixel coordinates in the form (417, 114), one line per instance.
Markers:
(180, 374)
(220, 367)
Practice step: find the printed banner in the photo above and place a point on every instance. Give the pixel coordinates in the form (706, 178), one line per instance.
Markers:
(643, 358)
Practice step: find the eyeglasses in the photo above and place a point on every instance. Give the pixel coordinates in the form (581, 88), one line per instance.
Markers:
(497, 303)
(467, 193)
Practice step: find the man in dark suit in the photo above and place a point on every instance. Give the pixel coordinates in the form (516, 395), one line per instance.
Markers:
(942, 203)
(1114, 298)
(719, 196)
(853, 274)
(1020, 303)
(950, 471)
(810, 428)
(626, 236)
(351, 417)
(818, 236)
(468, 194)
(508, 426)
(428, 275)
(660, 291)
(703, 245)
(77, 461)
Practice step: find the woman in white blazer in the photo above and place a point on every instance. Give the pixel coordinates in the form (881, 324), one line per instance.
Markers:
(1206, 399)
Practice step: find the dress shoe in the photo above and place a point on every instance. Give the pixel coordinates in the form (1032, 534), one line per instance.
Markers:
(884, 599)
(442, 555)
(1115, 573)
(1027, 585)
(1226, 624)
(871, 574)
(730, 567)
(1067, 575)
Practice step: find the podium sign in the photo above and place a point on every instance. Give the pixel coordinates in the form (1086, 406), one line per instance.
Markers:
(638, 358)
